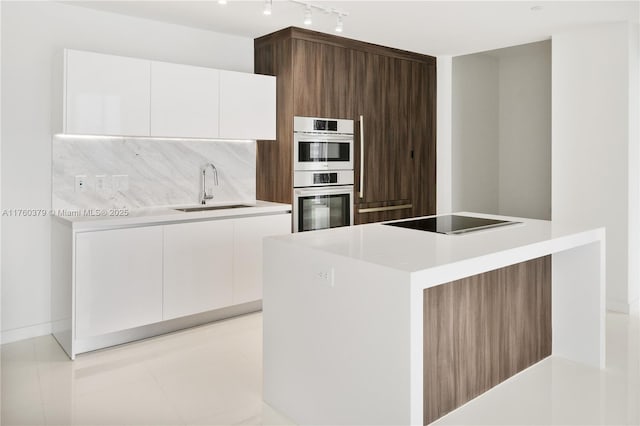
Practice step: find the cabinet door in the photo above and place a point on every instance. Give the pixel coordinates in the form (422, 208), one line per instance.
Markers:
(386, 177)
(198, 267)
(247, 253)
(247, 106)
(184, 101)
(118, 280)
(423, 138)
(322, 80)
(106, 95)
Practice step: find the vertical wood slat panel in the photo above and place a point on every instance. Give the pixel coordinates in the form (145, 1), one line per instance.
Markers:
(481, 330)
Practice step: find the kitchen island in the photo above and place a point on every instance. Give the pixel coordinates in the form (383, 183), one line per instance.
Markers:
(377, 324)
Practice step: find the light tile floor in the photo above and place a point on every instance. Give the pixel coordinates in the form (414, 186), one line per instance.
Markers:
(209, 375)
(212, 375)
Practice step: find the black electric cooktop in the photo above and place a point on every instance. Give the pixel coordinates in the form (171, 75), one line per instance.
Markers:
(450, 224)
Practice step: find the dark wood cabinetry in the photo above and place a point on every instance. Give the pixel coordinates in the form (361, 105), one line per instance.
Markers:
(321, 75)
(321, 80)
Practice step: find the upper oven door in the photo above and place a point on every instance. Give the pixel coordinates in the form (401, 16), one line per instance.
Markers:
(322, 152)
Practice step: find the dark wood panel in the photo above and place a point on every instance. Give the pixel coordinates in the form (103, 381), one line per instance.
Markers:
(423, 138)
(330, 39)
(483, 329)
(321, 81)
(274, 159)
(384, 86)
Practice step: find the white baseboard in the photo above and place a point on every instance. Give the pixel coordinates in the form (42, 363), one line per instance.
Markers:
(9, 336)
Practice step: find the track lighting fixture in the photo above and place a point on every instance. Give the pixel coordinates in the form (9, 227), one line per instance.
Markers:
(339, 24)
(308, 12)
(307, 15)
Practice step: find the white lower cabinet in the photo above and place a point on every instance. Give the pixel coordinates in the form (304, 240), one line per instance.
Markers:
(198, 267)
(127, 278)
(247, 253)
(118, 280)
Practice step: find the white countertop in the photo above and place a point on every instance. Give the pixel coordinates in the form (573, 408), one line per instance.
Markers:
(114, 218)
(413, 251)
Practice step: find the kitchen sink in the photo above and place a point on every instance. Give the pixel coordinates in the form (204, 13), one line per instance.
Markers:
(207, 208)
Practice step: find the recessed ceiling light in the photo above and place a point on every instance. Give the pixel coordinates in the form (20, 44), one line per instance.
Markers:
(537, 8)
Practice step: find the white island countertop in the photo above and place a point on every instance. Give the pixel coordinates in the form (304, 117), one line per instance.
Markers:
(465, 254)
(99, 219)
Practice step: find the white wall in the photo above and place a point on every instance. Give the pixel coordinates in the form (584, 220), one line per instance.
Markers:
(1, 7)
(525, 130)
(502, 131)
(594, 153)
(475, 166)
(634, 166)
(443, 137)
(31, 33)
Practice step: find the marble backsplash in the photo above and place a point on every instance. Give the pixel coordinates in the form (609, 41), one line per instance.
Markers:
(160, 172)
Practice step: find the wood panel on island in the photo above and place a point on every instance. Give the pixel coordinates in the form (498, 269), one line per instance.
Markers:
(481, 330)
(389, 93)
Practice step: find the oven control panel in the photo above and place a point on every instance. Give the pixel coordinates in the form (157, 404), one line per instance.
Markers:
(303, 178)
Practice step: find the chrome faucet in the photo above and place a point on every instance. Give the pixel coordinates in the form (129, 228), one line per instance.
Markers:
(205, 196)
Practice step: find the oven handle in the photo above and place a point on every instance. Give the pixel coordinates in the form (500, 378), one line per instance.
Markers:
(361, 192)
(324, 138)
(327, 191)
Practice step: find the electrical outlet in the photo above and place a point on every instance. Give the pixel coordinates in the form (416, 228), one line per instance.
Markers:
(324, 276)
(81, 184)
(101, 183)
(120, 182)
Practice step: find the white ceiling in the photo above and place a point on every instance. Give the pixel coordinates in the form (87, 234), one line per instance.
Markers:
(430, 27)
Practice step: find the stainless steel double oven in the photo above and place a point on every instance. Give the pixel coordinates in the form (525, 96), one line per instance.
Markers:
(323, 173)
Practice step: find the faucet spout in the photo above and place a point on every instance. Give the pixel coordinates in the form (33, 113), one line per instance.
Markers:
(204, 197)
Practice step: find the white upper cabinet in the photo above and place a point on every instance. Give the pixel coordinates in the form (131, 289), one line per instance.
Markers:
(105, 94)
(120, 96)
(247, 106)
(184, 101)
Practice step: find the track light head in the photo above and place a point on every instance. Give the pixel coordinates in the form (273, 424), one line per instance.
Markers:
(307, 16)
(267, 7)
(339, 24)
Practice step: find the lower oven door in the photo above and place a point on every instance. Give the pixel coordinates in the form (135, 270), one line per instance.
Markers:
(322, 208)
